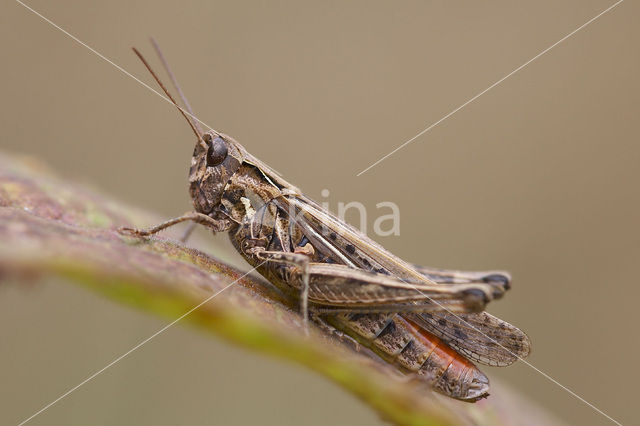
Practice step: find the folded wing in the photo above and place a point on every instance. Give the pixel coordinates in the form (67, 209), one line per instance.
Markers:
(480, 337)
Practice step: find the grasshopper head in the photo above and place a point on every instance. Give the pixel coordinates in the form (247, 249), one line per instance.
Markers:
(215, 160)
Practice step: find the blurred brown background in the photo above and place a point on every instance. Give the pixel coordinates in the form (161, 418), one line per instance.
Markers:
(539, 176)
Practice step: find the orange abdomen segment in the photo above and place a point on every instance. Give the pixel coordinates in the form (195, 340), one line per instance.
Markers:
(451, 373)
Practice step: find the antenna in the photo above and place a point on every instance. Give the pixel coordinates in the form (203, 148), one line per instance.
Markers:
(174, 81)
(164, 89)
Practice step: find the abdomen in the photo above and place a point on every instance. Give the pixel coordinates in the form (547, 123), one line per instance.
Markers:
(415, 350)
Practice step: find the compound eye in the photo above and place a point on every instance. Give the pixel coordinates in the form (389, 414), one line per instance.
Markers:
(217, 152)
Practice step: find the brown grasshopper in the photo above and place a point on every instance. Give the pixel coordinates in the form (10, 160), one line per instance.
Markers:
(426, 321)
